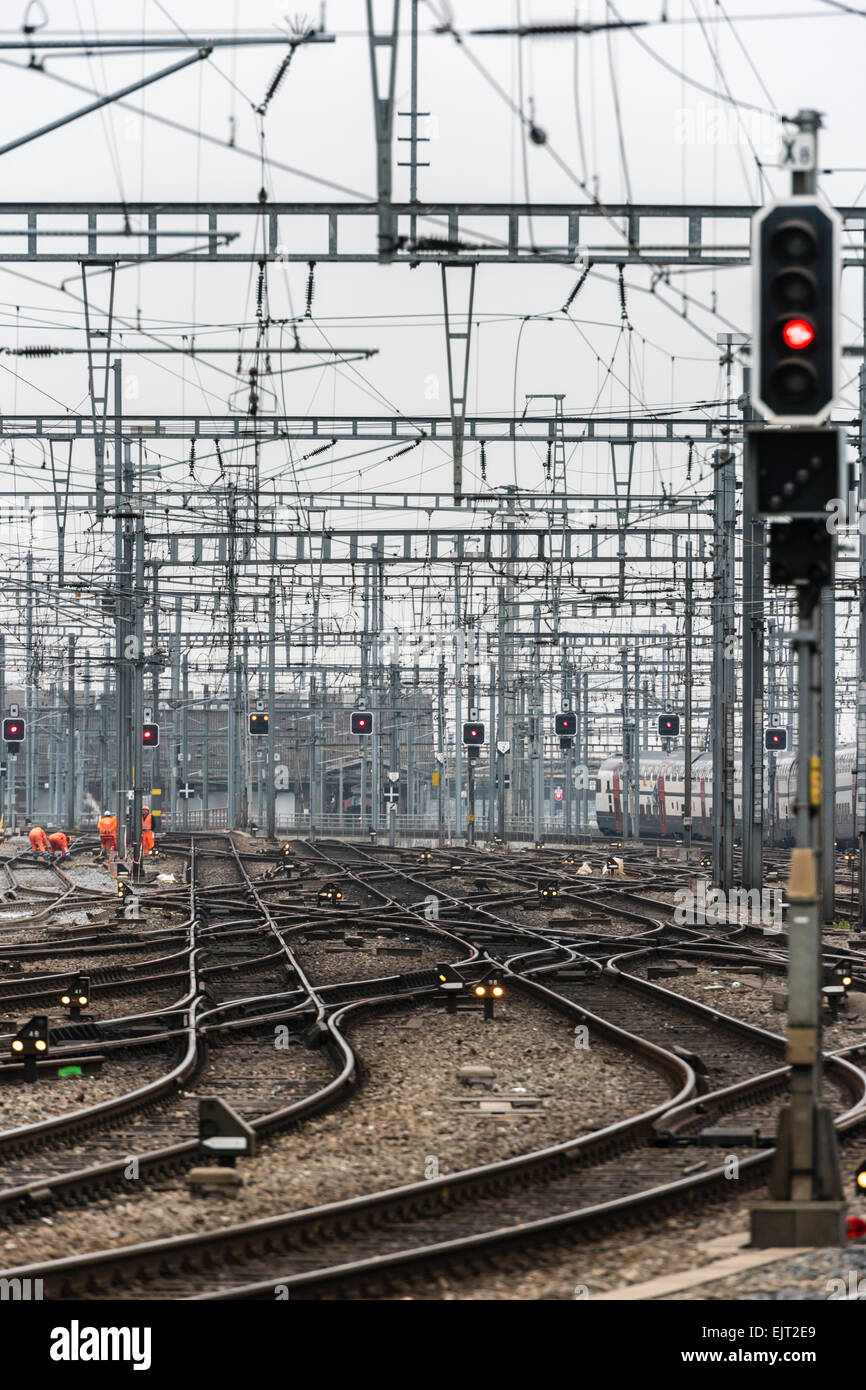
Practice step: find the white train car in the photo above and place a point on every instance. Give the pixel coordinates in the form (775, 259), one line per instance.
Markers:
(662, 795)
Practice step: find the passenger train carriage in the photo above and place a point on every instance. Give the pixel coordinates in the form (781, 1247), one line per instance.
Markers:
(662, 790)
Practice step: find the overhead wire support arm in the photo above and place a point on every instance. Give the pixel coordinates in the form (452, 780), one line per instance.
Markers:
(457, 380)
(97, 391)
(105, 101)
(141, 45)
(383, 111)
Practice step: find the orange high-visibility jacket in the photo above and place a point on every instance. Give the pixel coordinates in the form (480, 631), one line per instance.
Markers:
(147, 832)
(38, 840)
(58, 841)
(107, 828)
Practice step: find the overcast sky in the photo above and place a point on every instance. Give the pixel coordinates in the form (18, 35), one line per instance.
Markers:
(678, 112)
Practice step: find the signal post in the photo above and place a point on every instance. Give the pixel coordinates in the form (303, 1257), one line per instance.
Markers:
(790, 476)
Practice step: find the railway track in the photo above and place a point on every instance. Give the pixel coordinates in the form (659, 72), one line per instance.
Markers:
(379, 1244)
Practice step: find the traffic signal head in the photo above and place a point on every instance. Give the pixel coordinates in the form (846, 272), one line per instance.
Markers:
(669, 725)
(565, 725)
(797, 349)
(776, 740)
(361, 721)
(796, 473)
(259, 723)
(473, 734)
(13, 730)
(150, 735)
(801, 554)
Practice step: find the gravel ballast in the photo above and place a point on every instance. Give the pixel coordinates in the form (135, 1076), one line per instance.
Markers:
(406, 1121)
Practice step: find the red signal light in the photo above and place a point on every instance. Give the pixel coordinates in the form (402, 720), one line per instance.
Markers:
(798, 334)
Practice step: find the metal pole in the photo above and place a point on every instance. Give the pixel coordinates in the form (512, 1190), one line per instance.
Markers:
(827, 657)
(29, 712)
(440, 745)
(687, 746)
(860, 806)
(70, 736)
(636, 821)
(123, 625)
(805, 1180)
(458, 718)
(157, 799)
(4, 793)
(184, 736)
(501, 736)
(205, 763)
(137, 682)
(493, 757)
(231, 757)
(105, 769)
(717, 694)
(271, 791)
(393, 747)
(754, 541)
(472, 713)
(585, 755)
(314, 732)
(625, 791)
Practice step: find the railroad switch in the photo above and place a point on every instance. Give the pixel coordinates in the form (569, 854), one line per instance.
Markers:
(316, 1034)
(661, 972)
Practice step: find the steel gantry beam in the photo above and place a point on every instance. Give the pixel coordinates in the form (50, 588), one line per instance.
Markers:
(489, 429)
(648, 234)
(342, 546)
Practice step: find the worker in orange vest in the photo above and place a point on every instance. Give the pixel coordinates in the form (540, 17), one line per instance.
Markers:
(107, 828)
(146, 830)
(39, 842)
(59, 843)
